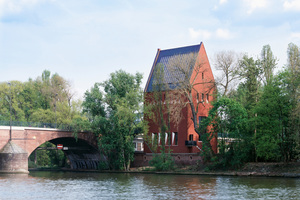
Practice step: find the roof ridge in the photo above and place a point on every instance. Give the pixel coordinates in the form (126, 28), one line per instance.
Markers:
(187, 46)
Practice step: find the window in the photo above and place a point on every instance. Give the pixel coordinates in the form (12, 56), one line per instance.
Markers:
(207, 97)
(191, 137)
(175, 138)
(202, 75)
(154, 138)
(135, 146)
(142, 147)
(202, 96)
(200, 119)
(168, 139)
(158, 138)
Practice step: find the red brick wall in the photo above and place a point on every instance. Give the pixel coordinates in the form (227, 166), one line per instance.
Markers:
(181, 159)
(180, 129)
(186, 127)
(206, 87)
(30, 138)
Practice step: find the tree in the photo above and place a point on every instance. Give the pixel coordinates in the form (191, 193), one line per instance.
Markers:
(267, 63)
(30, 95)
(4, 101)
(187, 70)
(51, 94)
(251, 72)
(113, 116)
(93, 103)
(12, 94)
(158, 111)
(119, 85)
(272, 119)
(44, 116)
(229, 119)
(293, 88)
(227, 63)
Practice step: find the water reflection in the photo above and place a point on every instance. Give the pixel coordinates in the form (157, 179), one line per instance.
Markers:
(260, 187)
(180, 187)
(67, 185)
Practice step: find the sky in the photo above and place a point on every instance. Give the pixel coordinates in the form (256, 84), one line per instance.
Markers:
(85, 41)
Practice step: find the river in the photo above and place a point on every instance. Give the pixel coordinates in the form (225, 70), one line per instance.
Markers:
(77, 185)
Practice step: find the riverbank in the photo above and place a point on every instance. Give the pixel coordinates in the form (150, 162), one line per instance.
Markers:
(291, 170)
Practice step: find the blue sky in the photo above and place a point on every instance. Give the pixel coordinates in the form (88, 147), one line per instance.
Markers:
(85, 41)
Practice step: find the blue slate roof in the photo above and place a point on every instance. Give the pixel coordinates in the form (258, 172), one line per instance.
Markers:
(163, 57)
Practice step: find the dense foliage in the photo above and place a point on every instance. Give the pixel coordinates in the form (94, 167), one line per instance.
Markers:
(113, 108)
(259, 119)
(47, 99)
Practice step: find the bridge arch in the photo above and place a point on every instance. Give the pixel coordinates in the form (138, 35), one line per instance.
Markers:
(34, 137)
(82, 153)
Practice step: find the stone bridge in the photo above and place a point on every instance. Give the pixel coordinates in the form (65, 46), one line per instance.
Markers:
(82, 153)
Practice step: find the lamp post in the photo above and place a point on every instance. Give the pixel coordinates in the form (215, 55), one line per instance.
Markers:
(9, 110)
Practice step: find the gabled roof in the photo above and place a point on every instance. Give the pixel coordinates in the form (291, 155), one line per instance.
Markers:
(163, 57)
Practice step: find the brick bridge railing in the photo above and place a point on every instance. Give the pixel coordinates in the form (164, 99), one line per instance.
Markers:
(29, 138)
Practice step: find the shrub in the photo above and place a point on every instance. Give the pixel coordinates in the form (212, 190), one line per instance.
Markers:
(162, 162)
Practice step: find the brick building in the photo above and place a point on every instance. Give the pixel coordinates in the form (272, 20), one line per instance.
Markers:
(179, 78)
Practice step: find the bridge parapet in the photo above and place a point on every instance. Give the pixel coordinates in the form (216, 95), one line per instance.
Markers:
(37, 125)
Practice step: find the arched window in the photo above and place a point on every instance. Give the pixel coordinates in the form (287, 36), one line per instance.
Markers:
(175, 138)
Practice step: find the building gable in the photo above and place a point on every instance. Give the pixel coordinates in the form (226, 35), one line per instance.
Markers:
(165, 59)
(181, 100)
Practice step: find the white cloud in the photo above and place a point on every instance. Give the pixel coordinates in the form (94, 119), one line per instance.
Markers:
(223, 1)
(15, 6)
(255, 4)
(292, 5)
(223, 34)
(295, 35)
(203, 34)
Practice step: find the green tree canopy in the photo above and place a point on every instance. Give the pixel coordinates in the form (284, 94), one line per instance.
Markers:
(113, 115)
(229, 119)
(46, 99)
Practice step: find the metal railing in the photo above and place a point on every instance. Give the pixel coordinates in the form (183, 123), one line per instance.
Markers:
(190, 143)
(37, 125)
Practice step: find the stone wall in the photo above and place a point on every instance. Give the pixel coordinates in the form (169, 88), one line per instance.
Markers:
(181, 159)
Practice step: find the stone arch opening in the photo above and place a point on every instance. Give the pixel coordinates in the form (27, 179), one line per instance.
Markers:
(80, 153)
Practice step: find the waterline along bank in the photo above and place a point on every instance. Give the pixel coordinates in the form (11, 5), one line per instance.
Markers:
(288, 170)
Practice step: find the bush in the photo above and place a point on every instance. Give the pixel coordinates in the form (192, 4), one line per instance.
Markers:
(103, 165)
(162, 162)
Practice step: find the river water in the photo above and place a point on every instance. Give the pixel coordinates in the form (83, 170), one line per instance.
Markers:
(72, 186)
